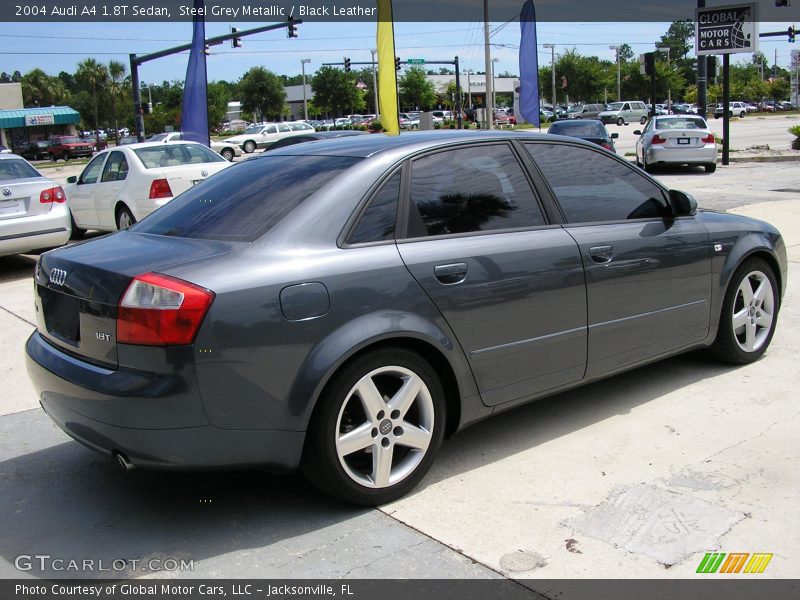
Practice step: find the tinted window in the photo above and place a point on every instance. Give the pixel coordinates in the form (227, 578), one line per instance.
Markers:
(116, 168)
(470, 189)
(245, 201)
(92, 170)
(591, 186)
(16, 169)
(377, 223)
(681, 123)
(173, 155)
(578, 128)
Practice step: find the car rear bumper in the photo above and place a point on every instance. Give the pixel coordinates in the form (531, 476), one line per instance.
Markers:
(109, 411)
(680, 156)
(36, 232)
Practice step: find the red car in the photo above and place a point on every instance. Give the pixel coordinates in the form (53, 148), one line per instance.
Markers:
(69, 146)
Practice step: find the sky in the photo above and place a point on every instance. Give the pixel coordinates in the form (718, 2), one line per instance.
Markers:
(54, 47)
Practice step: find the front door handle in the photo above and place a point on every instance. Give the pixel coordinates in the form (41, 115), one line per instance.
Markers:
(601, 254)
(452, 273)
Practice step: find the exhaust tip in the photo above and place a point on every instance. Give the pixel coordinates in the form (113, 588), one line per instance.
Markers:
(123, 462)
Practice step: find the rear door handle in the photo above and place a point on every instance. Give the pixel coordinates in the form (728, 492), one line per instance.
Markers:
(452, 273)
(601, 254)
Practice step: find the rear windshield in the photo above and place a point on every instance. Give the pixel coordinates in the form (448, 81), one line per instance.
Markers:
(16, 169)
(174, 155)
(681, 123)
(247, 200)
(577, 128)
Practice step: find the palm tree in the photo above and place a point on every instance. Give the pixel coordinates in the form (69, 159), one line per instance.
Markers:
(93, 75)
(116, 71)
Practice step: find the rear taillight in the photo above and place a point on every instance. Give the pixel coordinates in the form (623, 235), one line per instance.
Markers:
(160, 189)
(657, 139)
(157, 310)
(55, 194)
(709, 139)
(606, 145)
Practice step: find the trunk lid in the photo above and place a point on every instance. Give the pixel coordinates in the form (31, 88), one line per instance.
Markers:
(78, 287)
(20, 198)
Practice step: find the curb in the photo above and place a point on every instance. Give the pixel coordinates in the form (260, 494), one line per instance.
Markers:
(762, 159)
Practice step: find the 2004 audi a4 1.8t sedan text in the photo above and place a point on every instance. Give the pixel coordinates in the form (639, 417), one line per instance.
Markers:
(344, 305)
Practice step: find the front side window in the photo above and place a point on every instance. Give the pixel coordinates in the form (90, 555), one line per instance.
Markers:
(593, 187)
(92, 171)
(469, 190)
(270, 129)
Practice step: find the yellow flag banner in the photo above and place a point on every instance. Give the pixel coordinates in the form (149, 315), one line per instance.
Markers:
(387, 74)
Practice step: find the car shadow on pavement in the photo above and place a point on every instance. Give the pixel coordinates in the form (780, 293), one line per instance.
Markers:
(17, 266)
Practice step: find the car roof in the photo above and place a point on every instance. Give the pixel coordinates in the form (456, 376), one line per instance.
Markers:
(369, 145)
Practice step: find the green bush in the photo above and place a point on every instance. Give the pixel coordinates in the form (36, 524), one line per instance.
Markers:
(795, 131)
(437, 125)
(376, 126)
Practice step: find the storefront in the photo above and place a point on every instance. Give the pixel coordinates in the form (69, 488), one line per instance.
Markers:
(20, 126)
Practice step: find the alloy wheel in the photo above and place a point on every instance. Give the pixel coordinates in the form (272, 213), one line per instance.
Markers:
(753, 311)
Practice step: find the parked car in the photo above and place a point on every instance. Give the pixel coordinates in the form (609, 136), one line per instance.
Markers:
(630, 111)
(122, 185)
(36, 150)
(786, 105)
(69, 146)
(735, 109)
(585, 111)
(261, 136)
(676, 140)
(269, 318)
(4, 150)
(226, 150)
(312, 137)
(128, 139)
(590, 130)
(33, 211)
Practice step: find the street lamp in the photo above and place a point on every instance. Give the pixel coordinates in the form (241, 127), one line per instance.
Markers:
(469, 86)
(669, 89)
(619, 93)
(494, 92)
(552, 48)
(375, 85)
(303, 62)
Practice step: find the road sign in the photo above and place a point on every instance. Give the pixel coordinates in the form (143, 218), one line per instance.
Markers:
(795, 59)
(416, 61)
(726, 29)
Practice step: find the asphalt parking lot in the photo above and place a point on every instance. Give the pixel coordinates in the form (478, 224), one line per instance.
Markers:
(636, 476)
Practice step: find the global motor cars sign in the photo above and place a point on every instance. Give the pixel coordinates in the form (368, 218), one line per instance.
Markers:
(726, 29)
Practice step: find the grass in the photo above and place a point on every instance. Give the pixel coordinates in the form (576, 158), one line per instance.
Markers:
(62, 163)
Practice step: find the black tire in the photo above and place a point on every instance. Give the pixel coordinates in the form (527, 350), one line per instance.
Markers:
(53, 157)
(646, 166)
(77, 232)
(123, 213)
(321, 464)
(741, 115)
(249, 146)
(643, 120)
(710, 167)
(227, 154)
(67, 156)
(727, 346)
(620, 121)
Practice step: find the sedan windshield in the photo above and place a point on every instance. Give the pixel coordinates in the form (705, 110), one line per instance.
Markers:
(245, 201)
(254, 129)
(616, 106)
(16, 169)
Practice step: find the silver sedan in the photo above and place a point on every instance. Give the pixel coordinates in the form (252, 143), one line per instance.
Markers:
(676, 140)
(33, 209)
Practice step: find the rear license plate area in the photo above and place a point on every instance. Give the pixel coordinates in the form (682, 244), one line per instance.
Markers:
(61, 315)
(684, 141)
(9, 207)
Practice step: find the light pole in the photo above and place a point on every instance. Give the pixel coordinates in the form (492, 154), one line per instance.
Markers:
(494, 91)
(469, 87)
(303, 62)
(619, 93)
(375, 85)
(669, 89)
(553, 71)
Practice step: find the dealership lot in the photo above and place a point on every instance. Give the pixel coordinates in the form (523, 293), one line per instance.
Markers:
(702, 455)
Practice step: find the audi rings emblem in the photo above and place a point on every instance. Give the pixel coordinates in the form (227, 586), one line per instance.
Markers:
(58, 276)
(6, 191)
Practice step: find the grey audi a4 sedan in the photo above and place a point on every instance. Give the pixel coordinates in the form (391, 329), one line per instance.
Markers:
(341, 307)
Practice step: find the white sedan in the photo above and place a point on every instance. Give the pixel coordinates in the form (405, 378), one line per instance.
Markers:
(676, 140)
(123, 185)
(224, 149)
(33, 211)
(266, 134)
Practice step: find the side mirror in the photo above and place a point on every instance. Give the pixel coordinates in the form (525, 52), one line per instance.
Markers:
(685, 204)
(614, 136)
(637, 132)
(72, 179)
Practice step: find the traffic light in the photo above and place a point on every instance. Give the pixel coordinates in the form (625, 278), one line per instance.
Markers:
(791, 34)
(237, 41)
(711, 67)
(649, 63)
(396, 63)
(346, 65)
(207, 50)
(291, 30)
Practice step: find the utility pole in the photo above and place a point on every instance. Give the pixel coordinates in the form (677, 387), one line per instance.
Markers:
(375, 85)
(619, 80)
(494, 92)
(488, 60)
(552, 48)
(303, 62)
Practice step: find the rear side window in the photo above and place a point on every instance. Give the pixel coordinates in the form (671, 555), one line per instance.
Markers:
(16, 169)
(377, 223)
(593, 187)
(247, 200)
(469, 190)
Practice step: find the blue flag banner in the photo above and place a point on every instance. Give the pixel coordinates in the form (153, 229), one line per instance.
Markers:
(528, 66)
(194, 112)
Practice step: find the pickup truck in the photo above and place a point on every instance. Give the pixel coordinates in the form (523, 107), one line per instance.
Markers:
(69, 146)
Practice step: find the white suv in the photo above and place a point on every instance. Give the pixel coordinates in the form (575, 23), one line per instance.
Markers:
(735, 109)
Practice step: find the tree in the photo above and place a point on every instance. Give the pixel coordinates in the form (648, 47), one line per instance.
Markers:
(40, 89)
(625, 52)
(262, 93)
(679, 37)
(93, 76)
(335, 91)
(416, 90)
(116, 74)
(218, 98)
